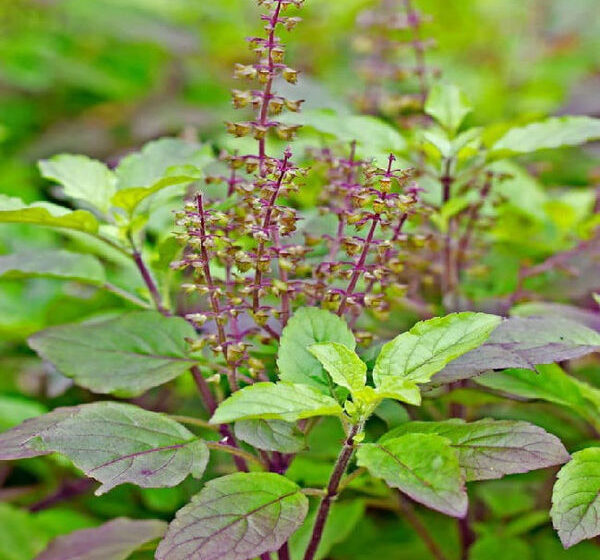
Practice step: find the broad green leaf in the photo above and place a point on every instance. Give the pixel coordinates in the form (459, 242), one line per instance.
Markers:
(128, 199)
(448, 105)
(550, 383)
(19, 442)
(489, 449)
(342, 520)
(126, 355)
(117, 443)
(309, 325)
(552, 311)
(53, 263)
(524, 342)
(576, 498)
(342, 364)
(82, 178)
(415, 356)
(366, 130)
(554, 132)
(271, 435)
(399, 389)
(235, 517)
(115, 540)
(423, 466)
(275, 401)
(500, 547)
(147, 167)
(14, 210)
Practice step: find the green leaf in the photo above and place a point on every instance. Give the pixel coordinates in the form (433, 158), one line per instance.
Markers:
(448, 105)
(366, 130)
(117, 443)
(275, 401)
(14, 210)
(489, 449)
(415, 356)
(554, 132)
(129, 199)
(158, 158)
(126, 355)
(495, 546)
(270, 435)
(82, 178)
(342, 520)
(551, 384)
(309, 325)
(423, 466)
(235, 517)
(576, 498)
(53, 263)
(115, 540)
(342, 364)
(403, 390)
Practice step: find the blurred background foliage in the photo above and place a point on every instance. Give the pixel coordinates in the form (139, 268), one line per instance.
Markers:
(103, 77)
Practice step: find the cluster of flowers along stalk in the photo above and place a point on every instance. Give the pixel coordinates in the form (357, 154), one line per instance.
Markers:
(246, 253)
(387, 31)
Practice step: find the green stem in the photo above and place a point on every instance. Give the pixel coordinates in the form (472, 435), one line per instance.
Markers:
(236, 452)
(125, 295)
(194, 422)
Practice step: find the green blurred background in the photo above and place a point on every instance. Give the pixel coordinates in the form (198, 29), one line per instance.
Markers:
(103, 76)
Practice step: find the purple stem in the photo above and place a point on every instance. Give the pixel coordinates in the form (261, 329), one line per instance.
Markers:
(331, 492)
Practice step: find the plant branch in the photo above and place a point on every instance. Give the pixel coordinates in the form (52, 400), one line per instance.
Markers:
(284, 552)
(358, 267)
(236, 452)
(331, 492)
(419, 527)
(148, 279)
(194, 422)
(449, 270)
(123, 294)
(213, 296)
(266, 226)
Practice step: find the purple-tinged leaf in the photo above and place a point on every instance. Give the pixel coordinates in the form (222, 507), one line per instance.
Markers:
(115, 540)
(523, 343)
(235, 517)
(17, 443)
(489, 449)
(576, 498)
(423, 466)
(551, 311)
(126, 355)
(117, 443)
(271, 435)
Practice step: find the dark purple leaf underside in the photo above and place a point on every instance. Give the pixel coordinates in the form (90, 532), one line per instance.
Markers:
(115, 540)
(523, 343)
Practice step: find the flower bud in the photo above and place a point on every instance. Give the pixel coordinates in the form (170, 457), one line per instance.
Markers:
(290, 75)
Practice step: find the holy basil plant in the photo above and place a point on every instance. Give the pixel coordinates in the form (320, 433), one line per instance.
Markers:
(259, 510)
(214, 340)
